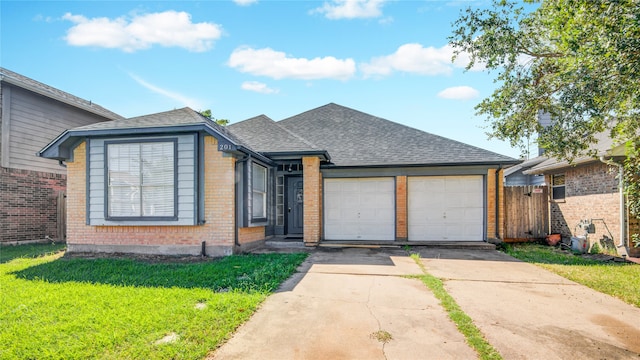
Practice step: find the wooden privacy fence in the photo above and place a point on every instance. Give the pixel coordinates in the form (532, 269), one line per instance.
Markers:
(61, 216)
(526, 216)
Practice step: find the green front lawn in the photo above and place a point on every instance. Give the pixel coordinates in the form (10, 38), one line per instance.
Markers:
(621, 280)
(54, 307)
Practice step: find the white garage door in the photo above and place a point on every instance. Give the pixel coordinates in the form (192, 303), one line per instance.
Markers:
(446, 208)
(359, 209)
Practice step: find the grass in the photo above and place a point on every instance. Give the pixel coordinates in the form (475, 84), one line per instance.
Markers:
(621, 280)
(463, 322)
(10, 252)
(58, 308)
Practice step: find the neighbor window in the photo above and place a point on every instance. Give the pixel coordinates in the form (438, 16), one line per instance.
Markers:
(141, 180)
(259, 191)
(557, 187)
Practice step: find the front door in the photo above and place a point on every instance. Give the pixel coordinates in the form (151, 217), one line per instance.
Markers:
(295, 202)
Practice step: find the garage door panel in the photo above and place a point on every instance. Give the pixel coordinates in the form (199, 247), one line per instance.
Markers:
(447, 208)
(366, 207)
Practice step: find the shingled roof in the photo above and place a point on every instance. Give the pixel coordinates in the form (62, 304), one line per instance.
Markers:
(265, 135)
(172, 118)
(26, 83)
(354, 138)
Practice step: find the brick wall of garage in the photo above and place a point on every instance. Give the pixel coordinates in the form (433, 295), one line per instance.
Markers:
(402, 231)
(492, 232)
(218, 230)
(591, 192)
(312, 186)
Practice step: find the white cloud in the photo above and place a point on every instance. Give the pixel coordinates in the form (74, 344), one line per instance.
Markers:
(416, 59)
(245, 2)
(459, 93)
(278, 65)
(183, 100)
(258, 87)
(169, 29)
(351, 9)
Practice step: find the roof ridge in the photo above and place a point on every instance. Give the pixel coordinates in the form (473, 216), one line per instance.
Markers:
(298, 137)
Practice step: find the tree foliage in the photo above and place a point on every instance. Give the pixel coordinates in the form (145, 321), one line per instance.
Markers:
(578, 60)
(208, 115)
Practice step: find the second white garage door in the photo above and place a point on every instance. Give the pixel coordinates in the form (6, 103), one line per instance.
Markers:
(445, 208)
(359, 209)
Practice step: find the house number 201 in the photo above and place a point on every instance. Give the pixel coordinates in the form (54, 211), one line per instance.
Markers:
(223, 147)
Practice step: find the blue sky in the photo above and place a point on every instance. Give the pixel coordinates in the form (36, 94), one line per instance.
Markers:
(245, 58)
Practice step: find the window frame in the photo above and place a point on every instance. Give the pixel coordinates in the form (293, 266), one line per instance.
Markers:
(264, 193)
(107, 216)
(554, 187)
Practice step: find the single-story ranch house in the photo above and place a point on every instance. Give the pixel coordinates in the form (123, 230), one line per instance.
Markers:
(178, 183)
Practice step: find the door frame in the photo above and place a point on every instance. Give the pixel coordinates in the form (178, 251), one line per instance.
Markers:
(288, 215)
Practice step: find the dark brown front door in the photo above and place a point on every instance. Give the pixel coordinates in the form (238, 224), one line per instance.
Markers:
(295, 205)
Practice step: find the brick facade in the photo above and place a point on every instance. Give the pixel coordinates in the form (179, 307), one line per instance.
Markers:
(402, 230)
(312, 201)
(492, 232)
(591, 192)
(33, 196)
(249, 235)
(218, 231)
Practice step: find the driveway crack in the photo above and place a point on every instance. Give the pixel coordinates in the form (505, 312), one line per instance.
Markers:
(376, 335)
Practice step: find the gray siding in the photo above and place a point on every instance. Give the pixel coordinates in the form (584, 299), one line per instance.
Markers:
(520, 179)
(29, 122)
(186, 183)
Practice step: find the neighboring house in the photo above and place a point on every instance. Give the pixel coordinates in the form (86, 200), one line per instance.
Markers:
(588, 191)
(31, 114)
(515, 176)
(178, 183)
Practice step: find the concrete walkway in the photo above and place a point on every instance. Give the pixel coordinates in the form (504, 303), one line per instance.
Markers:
(527, 312)
(343, 302)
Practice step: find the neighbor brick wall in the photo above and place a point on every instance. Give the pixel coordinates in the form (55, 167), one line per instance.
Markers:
(491, 204)
(312, 206)
(591, 192)
(402, 230)
(218, 229)
(30, 200)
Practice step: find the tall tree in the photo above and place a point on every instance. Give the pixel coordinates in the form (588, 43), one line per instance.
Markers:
(578, 60)
(208, 115)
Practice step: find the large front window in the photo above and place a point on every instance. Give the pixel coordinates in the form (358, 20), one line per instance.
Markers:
(259, 192)
(141, 180)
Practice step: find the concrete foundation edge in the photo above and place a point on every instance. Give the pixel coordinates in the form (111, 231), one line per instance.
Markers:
(167, 250)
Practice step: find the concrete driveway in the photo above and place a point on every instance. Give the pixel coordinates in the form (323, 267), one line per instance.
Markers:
(346, 303)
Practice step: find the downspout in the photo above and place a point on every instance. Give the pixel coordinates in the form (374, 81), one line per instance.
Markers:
(623, 213)
(236, 241)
